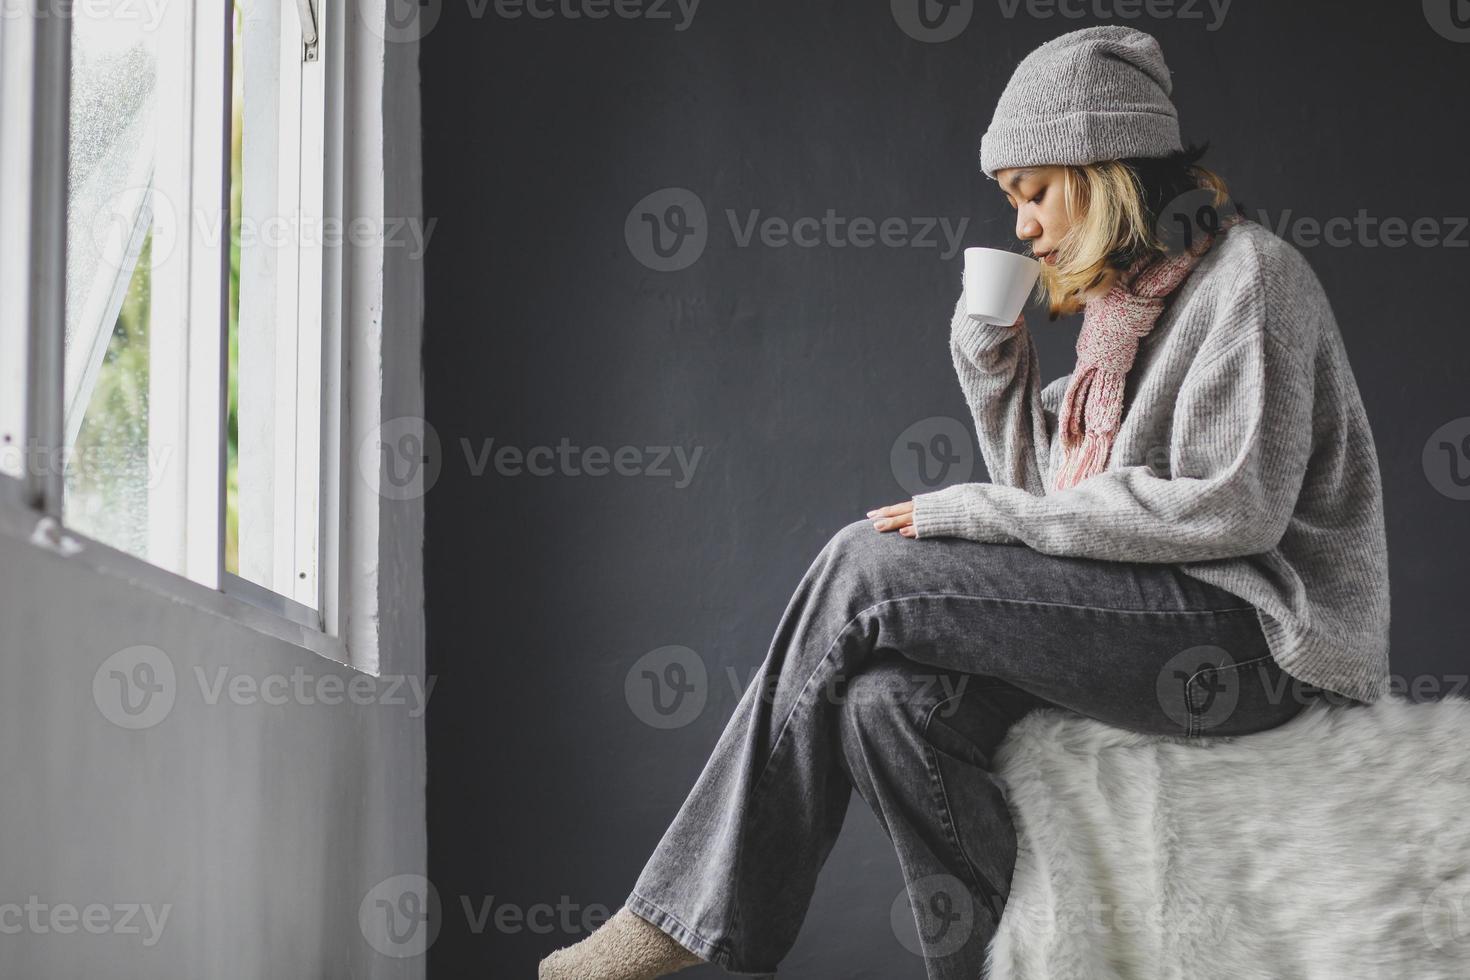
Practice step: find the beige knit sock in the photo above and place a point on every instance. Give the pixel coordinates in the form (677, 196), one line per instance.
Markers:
(625, 947)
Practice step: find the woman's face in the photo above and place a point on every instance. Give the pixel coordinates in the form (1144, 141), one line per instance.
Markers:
(1041, 210)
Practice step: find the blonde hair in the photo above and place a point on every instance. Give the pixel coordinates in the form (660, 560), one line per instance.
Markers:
(1114, 206)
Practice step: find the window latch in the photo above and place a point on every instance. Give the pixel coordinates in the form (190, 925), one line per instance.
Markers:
(307, 9)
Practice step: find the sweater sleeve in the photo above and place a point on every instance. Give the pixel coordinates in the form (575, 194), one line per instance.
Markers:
(1240, 438)
(999, 375)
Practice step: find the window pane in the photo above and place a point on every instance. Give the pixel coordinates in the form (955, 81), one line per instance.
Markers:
(142, 431)
(275, 368)
(107, 472)
(111, 221)
(232, 408)
(149, 221)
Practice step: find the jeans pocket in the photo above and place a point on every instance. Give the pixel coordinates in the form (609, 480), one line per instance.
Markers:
(1227, 700)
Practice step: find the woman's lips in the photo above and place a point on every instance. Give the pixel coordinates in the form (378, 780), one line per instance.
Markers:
(1050, 258)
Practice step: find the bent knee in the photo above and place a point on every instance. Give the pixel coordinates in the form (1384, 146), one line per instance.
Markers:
(857, 536)
(889, 694)
(870, 559)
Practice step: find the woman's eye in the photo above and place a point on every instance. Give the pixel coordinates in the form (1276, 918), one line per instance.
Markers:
(1038, 197)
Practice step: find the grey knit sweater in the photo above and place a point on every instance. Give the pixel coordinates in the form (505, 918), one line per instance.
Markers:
(1244, 456)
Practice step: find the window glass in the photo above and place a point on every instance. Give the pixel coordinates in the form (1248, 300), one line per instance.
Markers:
(275, 376)
(113, 229)
(186, 269)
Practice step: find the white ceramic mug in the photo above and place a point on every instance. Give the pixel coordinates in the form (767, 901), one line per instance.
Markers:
(997, 283)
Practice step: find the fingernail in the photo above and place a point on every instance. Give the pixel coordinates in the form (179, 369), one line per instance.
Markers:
(877, 525)
(872, 512)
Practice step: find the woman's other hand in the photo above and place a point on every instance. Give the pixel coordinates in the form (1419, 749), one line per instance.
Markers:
(895, 517)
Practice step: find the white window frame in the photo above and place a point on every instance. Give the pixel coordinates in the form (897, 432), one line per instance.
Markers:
(366, 538)
(283, 431)
(34, 91)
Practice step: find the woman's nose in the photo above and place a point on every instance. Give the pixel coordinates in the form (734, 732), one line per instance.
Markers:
(1027, 227)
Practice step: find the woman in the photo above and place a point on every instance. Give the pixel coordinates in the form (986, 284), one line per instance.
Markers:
(1201, 564)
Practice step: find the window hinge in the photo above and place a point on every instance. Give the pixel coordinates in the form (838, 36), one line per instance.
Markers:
(307, 10)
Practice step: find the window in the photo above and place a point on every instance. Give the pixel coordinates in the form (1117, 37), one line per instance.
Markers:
(275, 373)
(170, 379)
(192, 417)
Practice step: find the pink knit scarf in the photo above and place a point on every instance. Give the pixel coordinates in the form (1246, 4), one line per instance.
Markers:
(1112, 326)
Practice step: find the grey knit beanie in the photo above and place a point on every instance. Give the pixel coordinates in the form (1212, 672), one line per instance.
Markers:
(1101, 93)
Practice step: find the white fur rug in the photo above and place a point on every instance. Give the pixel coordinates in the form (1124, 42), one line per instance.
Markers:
(1334, 847)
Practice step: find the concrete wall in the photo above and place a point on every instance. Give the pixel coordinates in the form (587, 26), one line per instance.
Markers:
(256, 827)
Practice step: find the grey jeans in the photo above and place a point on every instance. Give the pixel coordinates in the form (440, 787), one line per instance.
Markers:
(897, 668)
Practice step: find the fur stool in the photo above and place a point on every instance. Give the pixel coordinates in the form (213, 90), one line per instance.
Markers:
(1334, 847)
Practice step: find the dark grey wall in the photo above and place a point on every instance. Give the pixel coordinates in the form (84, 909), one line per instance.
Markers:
(792, 370)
